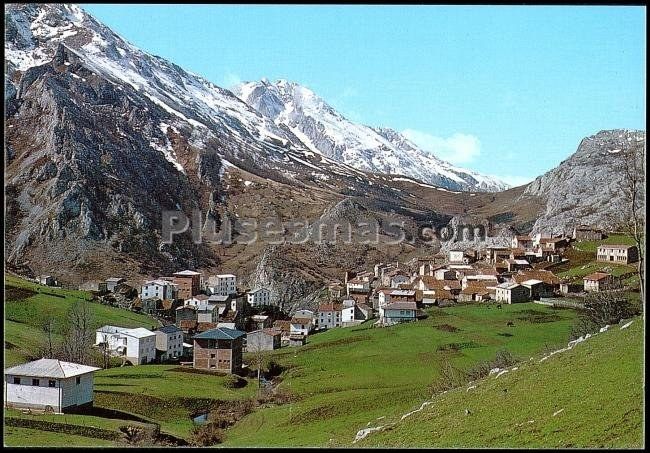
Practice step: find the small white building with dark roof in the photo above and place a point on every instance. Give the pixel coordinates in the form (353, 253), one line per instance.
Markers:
(50, 385)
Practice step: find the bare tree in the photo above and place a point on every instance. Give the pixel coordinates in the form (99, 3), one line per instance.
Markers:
(259, 355)
(632, 217)
(106, 353)
(48, 325)
(78, 333)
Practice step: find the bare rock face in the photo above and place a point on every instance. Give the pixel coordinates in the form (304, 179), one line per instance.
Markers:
(586, 187)
(101, 138)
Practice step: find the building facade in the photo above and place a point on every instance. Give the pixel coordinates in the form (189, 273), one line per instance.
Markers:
(158, 289)
(512, 293)
(49, 384)
(136, 345)
(621, 254)
(189, 283)
(259, 297)
(169, 342)
(219, 349)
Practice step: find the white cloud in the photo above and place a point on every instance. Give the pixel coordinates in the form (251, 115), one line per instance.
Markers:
(457, 149)
(230, 80)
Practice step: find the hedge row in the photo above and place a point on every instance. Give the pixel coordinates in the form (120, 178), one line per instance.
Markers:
(85, 431)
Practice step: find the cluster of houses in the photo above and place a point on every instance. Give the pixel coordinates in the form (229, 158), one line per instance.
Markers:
(518, 273)
(213, 322)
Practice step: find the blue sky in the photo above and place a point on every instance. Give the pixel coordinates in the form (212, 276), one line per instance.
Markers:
(507, 91)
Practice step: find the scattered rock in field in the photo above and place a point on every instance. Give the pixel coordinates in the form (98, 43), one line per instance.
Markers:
(625, 326)
(361, 434)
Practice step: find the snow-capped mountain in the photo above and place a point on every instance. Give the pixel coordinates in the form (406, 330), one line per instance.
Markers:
(378, 150)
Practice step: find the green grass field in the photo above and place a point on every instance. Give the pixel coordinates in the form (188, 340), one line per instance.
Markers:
(27, 437)
(591, 246)
(347, 377)
(589, 396)
(164, 395)
(26, 303)
(582, 261)
(342, 380)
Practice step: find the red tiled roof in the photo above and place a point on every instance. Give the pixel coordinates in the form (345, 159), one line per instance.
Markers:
(330, 307)
(597, 276)
(186, 324)
(301, 320)
(547, 277)
(203, 326)
(284, 326)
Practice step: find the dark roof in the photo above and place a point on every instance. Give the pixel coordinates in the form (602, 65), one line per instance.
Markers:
(221, 333)
(169, 329)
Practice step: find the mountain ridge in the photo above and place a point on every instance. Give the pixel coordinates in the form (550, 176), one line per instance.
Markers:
(374, 149)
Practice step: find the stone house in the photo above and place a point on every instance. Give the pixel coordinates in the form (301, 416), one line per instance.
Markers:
(219, 349)
(512, 293)
(263, 340)
(598, 281)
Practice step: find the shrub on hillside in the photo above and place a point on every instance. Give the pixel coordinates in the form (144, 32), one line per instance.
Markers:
(207, 435)
(603, 308)
(234, 382)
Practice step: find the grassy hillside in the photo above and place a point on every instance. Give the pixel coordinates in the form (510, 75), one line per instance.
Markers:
(346, 377)
(162, 394)
(589, 396)
(27, 302)
(166, 394)
(591, 246)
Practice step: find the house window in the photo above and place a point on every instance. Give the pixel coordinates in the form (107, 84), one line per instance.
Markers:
(212, 356)
(51, 383)
(78, 380)
(35, 382)
(16, 380)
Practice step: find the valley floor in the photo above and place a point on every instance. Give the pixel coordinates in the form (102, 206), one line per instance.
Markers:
(348, 379)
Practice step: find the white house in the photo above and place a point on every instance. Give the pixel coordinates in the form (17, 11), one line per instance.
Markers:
(358, 285)
(159, 289)
(398, 279)
(397, 312)
(598, 281)
(223, 284)
(328, 316)
(49, 383)
(301, 325)
(347, 314)
(512, 293)
(617, 253)
(136, 345)
(259, 297)
(444, 274)
(195, 301)
(169, 342)
(383, 296)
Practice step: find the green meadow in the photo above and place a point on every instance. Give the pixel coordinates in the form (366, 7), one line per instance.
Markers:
(346, 378)
(589, 396)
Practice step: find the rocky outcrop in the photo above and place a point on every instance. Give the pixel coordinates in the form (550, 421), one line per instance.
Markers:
(586, 187)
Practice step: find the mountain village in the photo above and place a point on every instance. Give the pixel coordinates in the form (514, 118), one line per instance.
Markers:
(142, 307)
(209, 322)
